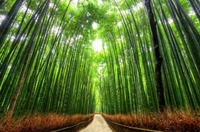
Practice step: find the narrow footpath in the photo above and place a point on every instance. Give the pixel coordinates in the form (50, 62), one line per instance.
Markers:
(98, 125)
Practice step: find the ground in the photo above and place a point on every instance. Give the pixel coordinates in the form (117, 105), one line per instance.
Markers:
(98, 125)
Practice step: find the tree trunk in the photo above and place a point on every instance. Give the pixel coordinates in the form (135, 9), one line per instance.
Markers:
(158, 57)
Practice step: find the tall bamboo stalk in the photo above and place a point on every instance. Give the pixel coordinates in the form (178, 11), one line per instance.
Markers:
(158, 57)
(27, 55)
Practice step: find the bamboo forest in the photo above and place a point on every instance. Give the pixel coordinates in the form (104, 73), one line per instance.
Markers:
(67, 64)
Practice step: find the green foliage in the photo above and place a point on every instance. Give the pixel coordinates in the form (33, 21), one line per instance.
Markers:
(50, 42)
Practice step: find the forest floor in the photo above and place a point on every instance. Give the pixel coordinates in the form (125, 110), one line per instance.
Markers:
(167, 121)
(98, 125)
(41, 123)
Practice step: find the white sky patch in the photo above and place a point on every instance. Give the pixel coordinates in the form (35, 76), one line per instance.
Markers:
(13, 38)
(23, 37)
(104, 46)
(170, 20)
(2, 17)
(9, 66)
(75, 2)
(125, 12)
(56, 29)
(80, 36)
(119, 24)
(16, 25)
(191, 13)
(100, 2)
(138, 6)
(52, 5)
(94, 25)
(53, 51)
(100, 68)
(24, 8)
(88, 14)
(97, 45)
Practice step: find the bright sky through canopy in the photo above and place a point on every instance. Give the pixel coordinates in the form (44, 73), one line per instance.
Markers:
(97, 45)
(94, 25)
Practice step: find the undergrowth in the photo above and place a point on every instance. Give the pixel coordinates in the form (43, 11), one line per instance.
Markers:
(180, 121)
(41, 123)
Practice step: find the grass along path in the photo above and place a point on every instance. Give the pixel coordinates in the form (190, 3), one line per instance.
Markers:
(98, 125)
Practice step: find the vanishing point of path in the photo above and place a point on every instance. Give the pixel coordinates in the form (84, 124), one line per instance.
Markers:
(98, 125)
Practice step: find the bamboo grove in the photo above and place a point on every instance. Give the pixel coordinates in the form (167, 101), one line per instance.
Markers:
(128, 78)
(47, 62)
(48, 65)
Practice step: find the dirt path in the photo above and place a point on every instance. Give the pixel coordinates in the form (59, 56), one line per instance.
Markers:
(98, 125)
